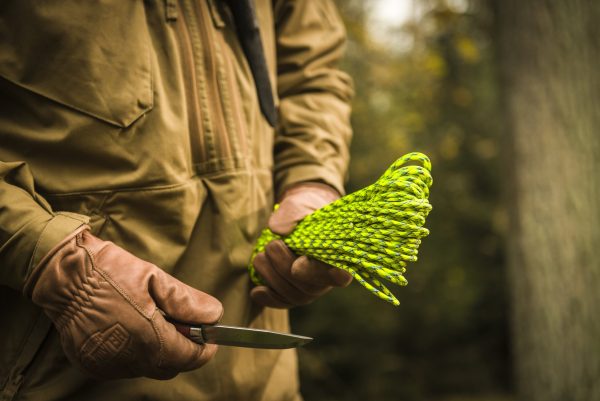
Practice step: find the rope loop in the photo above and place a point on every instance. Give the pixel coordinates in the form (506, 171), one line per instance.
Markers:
(371, 233)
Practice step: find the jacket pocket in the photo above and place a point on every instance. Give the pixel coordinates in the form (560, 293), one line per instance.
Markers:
(92, 56)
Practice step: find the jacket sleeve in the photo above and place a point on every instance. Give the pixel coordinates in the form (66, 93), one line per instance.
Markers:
(28, 227)
(313, 138)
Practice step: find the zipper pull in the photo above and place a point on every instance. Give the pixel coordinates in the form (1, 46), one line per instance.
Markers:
(171, 10)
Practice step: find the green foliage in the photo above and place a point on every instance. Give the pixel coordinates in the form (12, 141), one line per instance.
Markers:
(449, 335)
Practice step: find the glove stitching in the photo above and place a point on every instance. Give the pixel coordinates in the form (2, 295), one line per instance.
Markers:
(116, 286)
(82, 298)
(124, 294)
(160, 338)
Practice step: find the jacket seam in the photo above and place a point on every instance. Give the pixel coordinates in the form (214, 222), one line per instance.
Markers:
(109, 191)
(217, 173)
(16, 370)
(109, 120)
(16, 375)
(36, 246)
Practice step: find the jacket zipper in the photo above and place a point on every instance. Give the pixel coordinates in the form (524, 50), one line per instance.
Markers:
(212, 72)
(205, 109)
(194, 114)
(240, 128)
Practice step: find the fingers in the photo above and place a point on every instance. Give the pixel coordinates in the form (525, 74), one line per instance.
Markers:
(293, 281)
(316, 273)
(265, 296)
(280, 255)
(182, 302)
(280, 284)
(185, 304)
(308, 274)
(178, 354)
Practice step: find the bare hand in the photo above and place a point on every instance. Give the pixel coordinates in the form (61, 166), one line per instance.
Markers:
(292, 280)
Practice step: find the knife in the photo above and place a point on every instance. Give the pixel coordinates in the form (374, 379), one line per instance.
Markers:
(239, 336)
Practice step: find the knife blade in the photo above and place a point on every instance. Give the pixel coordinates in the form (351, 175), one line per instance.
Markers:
(240, 336)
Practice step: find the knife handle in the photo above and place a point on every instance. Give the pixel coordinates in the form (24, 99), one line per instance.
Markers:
(193, 333)
(181, 327)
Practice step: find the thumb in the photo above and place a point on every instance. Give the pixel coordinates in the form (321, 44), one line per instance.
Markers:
(298, 202)
(286, 217)
(182, 302)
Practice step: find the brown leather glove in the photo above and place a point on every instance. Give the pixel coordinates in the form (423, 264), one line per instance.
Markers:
(106, 304)
(293, 280)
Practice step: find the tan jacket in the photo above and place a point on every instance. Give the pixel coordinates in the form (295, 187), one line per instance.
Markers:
(142, 118)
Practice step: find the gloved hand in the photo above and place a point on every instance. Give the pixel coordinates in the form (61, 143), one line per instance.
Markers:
(106, 304)
(293, 280)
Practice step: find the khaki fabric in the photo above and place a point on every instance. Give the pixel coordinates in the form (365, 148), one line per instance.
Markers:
(140, 118)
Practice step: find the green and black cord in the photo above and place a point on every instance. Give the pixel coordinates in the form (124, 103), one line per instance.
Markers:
(371, 233)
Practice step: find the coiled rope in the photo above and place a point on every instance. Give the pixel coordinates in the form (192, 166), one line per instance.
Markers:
(371, 233)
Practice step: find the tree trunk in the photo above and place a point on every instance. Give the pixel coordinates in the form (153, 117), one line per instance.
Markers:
(549, 53)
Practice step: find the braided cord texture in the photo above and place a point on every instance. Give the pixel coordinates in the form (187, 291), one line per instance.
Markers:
(372, 233)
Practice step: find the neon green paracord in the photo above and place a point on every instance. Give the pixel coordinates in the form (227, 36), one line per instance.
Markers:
(371, 233)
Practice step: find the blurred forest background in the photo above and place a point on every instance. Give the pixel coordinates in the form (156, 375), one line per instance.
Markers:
(428, 83)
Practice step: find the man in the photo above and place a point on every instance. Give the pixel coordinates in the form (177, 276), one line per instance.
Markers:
(142, 146)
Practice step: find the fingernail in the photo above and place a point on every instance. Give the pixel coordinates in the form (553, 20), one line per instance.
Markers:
(341, 277)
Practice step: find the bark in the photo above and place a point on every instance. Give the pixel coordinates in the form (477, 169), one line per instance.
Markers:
(550, 63)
